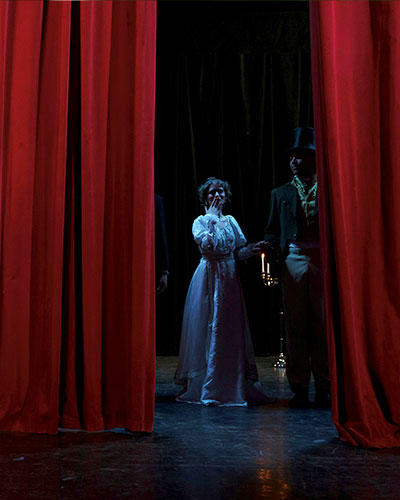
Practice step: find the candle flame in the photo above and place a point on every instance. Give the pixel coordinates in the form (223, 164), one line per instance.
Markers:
(262, 255)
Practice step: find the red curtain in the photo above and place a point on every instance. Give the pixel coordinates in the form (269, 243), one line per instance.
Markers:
(77, 83)
(356, 75)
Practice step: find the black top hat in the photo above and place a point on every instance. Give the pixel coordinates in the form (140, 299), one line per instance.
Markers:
(303, 139)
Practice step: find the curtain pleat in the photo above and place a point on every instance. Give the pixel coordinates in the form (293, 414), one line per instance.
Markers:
(355, 50)
(95, 81)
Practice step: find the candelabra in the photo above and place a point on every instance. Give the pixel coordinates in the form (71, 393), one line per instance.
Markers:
(266, 277)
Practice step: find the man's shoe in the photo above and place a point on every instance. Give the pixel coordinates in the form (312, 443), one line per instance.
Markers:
(322, 400)
(299, 401)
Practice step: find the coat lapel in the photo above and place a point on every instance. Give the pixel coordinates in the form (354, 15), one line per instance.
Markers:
(290, 195)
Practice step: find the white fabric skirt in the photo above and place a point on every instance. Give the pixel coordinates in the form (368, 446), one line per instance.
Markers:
(216, 361)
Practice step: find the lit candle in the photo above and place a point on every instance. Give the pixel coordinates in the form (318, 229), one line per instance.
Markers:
(262, 263)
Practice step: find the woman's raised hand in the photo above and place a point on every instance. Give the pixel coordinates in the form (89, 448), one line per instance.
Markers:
(215, 207)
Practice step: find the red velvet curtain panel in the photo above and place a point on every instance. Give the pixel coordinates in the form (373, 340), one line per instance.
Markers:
(77, 100)
(356, 75)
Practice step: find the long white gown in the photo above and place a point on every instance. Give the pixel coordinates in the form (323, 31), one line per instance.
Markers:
(216, 361)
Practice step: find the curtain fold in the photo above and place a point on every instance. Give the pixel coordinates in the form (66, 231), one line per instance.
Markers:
(76, 215)
(355, 51)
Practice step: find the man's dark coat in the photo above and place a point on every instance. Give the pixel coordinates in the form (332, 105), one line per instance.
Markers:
(282, 224)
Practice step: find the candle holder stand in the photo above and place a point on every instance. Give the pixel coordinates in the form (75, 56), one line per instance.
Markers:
(281, 361)
(271, 281)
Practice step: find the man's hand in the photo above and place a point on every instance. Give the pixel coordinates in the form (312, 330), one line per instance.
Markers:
(162, 282)
(269, 250)
(256, 248)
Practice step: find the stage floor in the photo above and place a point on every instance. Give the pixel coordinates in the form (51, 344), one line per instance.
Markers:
(202, 453)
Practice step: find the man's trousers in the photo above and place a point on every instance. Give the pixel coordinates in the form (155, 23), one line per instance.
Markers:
(306, 343)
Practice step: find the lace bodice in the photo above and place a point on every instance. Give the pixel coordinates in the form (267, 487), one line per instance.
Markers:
(218, 235)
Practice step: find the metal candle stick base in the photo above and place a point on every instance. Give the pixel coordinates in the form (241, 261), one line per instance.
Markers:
(281, 362)
(269, 280)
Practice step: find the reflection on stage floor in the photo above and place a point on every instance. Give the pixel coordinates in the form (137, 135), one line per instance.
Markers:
(202, 453)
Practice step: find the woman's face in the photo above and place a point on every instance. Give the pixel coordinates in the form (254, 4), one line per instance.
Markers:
(217, 192)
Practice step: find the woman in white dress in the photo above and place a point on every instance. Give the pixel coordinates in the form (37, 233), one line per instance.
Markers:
(216, 361)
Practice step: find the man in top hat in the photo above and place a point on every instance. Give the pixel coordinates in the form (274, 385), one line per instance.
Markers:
(292, 231)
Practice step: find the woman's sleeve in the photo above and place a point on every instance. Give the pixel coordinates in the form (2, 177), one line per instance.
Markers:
(240, 237)
(204, 231)
(242, 252)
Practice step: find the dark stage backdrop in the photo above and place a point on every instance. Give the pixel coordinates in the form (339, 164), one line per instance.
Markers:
(233, 79)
